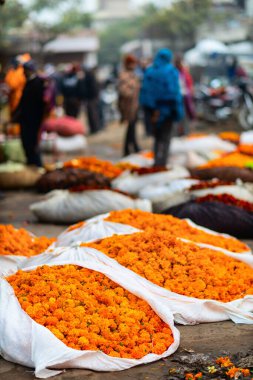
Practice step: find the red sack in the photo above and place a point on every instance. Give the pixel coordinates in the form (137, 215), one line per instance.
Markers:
(64, 126)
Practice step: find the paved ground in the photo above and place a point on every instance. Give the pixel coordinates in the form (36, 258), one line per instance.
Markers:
(212, 339)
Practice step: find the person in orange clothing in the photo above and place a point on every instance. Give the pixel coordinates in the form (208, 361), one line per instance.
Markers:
(16, 80)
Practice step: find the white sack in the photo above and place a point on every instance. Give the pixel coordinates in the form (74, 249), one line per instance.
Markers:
(10, 263)
(133, 183)
(25, 342)
(138, 159)
(72, 144)
(167, 195)
(186, 310)
(200, 144)
(62, 206)
(237, 191)
(93, 231)
(246, 137)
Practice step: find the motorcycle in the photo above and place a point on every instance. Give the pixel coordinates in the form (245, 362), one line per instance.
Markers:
(218, 101)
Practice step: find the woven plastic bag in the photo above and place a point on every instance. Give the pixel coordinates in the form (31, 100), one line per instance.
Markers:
(133, 183)
(25, 342)
(200, 144)
(167, 195)
(90, 231)
(62, 206)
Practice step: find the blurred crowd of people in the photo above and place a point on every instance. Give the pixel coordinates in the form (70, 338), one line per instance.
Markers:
(162, 90)
(33, 94)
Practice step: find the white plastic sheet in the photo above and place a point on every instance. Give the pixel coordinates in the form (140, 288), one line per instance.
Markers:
(62, 206)
(24, 341)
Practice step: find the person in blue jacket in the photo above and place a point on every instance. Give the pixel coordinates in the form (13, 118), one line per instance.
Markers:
(161, 94)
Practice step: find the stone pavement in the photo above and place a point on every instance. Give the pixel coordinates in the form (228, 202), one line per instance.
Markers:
(213, 338)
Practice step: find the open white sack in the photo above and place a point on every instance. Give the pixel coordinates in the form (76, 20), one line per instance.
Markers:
(91, 231)
(60, 144)
(138, 159)
(246, 137)
(28, 343)
(186, 310)
(200, 144)
(62, 206)
(133, 183)
(239, 191)
(11, 263)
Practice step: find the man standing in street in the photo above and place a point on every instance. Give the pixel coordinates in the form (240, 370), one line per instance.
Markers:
(30, 113)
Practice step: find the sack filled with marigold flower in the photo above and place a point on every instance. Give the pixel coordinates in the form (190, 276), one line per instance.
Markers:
(172, 226)
(64, 206)
(17, 245)
(99, 227)
(198, 284)
(81, 314)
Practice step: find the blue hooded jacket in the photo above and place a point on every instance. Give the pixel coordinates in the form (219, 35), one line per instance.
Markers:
(160, 88)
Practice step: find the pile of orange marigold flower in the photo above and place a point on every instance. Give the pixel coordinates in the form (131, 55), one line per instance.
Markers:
(180, 267)
(20, 242)
(174, 227)
(246, 149)
(88, 311)
(95, 165)
(230, 136)
(235, 159)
